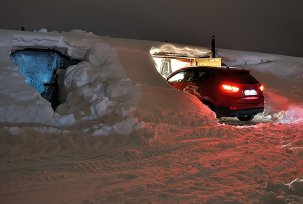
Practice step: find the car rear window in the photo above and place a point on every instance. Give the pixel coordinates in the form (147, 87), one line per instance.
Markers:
(239, 77)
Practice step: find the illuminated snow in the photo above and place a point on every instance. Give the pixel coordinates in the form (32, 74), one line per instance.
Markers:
(168, 49)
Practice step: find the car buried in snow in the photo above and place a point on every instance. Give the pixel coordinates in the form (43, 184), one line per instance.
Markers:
(228, 91)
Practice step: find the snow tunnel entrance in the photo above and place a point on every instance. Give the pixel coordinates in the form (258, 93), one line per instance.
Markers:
(44, 70)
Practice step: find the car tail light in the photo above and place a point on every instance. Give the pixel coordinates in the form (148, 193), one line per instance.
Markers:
(230, 88)
(261, 87)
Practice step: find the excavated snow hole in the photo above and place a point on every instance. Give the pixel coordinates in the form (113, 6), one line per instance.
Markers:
(44, 69)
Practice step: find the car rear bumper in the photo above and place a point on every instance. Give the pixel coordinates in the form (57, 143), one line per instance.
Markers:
(226, 112)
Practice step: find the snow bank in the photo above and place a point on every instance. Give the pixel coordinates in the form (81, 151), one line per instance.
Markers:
(293, 113)
(238, 58)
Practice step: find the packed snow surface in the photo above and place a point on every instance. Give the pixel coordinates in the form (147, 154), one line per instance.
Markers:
(123, 134)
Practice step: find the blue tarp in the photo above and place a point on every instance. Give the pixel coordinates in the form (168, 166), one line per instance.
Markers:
(39, 67)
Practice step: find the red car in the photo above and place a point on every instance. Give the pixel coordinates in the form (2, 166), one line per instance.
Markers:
(228, 91)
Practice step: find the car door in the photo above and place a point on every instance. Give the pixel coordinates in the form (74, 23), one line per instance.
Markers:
(200, 84)
(177, 80)
(191, 83)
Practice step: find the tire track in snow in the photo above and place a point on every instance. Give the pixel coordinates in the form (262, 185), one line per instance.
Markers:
(121, 161)
(199, 141)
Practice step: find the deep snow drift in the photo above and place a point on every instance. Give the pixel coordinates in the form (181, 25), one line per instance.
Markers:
(154, 144)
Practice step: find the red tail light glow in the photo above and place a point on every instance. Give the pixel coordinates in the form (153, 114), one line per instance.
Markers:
(261, 87)
(230, 88)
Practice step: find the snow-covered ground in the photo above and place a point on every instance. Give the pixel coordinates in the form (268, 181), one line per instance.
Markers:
(124, 136)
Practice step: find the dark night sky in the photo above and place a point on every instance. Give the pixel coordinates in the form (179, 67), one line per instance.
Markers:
(272, 26)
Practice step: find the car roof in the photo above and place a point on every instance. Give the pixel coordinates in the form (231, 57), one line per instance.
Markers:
(208, 68)
(223, 68)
